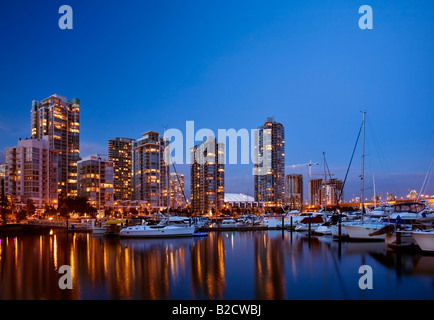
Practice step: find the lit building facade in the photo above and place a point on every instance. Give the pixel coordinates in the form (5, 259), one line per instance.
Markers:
(240, 200)
(59, 119)
(207, 178)
(2, 177)
(176, 190)
(95, 180)
(325, 192)
(314, 188)
(120, 153)
(31, 173)
(294, 191)
(269, 170)
(150, 175)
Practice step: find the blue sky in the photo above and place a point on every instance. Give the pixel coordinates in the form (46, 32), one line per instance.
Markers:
(141, 65)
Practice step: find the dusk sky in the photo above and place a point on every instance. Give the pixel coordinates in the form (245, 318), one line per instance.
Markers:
(141, 65)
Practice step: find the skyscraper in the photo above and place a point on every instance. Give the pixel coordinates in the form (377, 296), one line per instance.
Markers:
(31, 172)
(150, 179)
(269, 170)
(120, 153)
(207, 178)
(95, 180)
(59, 119)
(294, 191)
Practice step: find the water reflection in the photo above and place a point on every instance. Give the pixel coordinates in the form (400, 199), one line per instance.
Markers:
(208, 268)
(242, 265)
(269, 267)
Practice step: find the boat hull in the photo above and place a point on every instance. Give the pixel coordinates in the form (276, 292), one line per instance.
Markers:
(425, 240)
(305, 227)
(325, 230)
(362, 232)
(98, 230)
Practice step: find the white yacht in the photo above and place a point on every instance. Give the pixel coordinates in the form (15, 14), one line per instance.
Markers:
(228, 223)
(145, 231)
(424, 239)
(405, 214)
(315, 222)
(163, 229)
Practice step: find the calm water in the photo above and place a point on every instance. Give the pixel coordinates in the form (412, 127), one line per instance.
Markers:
(226, 265)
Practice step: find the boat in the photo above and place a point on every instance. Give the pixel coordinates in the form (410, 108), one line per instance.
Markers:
(372, 227)
(179, 221)
(98, 230)
(338, 231)
(382, 210)
(324, 229)
(333, 226)
(406, 215)
(228, 223)
(310, 223)
(365, 231)
(113, 227)
(424, 239)
(95, 227)
(156, 231)
(272, 222)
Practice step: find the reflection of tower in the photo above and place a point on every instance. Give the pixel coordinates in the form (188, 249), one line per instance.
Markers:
(208, 268)
(269, 268)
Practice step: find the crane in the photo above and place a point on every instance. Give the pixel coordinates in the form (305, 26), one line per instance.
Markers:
(310, 164)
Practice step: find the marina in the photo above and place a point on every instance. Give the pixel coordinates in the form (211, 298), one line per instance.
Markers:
(252, 265)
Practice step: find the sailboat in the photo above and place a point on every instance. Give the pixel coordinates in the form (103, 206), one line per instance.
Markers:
(378, 227)
(366, 228)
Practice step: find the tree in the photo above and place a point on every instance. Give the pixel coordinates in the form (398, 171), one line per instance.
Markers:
(64, 210)
(30, 207)
(77, 204)
(49, 210)
(21, 215)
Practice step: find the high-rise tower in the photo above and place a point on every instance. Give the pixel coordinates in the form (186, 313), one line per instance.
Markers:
(150, 180)
(269, 171)
(120, 153)
(59, 119)
(207, 178)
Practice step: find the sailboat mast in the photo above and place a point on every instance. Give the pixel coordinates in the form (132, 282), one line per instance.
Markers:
(375, 195)
(362, 176)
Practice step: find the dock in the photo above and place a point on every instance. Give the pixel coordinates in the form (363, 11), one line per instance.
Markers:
(41, 225)
(240, 228)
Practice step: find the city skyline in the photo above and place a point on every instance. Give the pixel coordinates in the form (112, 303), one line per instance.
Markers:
(201, 62)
